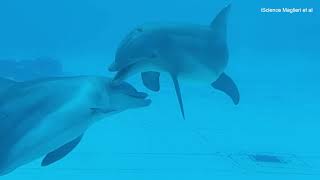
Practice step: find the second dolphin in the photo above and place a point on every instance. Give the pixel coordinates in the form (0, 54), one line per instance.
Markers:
(193, 52)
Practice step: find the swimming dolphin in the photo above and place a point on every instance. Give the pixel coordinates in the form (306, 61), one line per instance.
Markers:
(192, 52)
(49, 117)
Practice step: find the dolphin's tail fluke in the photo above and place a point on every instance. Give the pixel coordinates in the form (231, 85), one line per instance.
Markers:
(219, 24)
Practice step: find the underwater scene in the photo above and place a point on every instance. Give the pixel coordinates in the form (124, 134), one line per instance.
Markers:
(170, 89)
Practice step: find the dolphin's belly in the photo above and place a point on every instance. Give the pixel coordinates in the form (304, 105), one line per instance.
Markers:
(195, 59)
(192, 70)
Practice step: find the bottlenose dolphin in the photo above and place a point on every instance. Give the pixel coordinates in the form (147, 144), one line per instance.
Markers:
(48, 117)
(192, 52)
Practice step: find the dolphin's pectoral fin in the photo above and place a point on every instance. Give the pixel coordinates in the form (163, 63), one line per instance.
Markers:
(178, 92)
(61, 152)
(151, 80)
(225, 83)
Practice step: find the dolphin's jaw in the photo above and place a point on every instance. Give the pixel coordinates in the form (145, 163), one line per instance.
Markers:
(141, 65)
(124, 96)
(145, 103)
(122, 74)
(131, 69)
(141, 102)
(140, 99)
(131, 103)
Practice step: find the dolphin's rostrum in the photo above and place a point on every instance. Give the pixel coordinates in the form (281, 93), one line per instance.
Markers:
(192, 52)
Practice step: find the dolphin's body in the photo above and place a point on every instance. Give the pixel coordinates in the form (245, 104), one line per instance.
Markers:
(49, 117)
(193, 52)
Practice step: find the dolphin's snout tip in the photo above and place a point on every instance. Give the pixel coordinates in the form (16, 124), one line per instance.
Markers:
(147, 102)
(144, 97)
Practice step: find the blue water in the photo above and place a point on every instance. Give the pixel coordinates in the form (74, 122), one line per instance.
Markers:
(274, 59)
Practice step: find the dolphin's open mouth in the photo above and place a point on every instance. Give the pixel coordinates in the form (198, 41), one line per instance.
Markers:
(146, 102)
(143, 98)
(124, 70)
(118, 66)
(140, 95)
(140, 98)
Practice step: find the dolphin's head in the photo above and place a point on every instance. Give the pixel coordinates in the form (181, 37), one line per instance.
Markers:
(124, 96)
(138, 46)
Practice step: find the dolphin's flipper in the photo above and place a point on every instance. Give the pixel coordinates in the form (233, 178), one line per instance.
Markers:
(151, 80)
(178, 92)
(226, 84)
(219, 24)
(61, 152)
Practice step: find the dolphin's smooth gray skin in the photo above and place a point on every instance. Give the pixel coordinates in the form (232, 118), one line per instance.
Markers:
(49, 117)
(192, 52)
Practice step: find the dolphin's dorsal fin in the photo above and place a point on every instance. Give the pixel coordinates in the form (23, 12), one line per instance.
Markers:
(219, 24)
(178, 92)
(61, 152)
(225, 84)
(151, 80)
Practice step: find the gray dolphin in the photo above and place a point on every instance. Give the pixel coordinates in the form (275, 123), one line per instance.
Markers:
(49, 117)
(193, 52)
